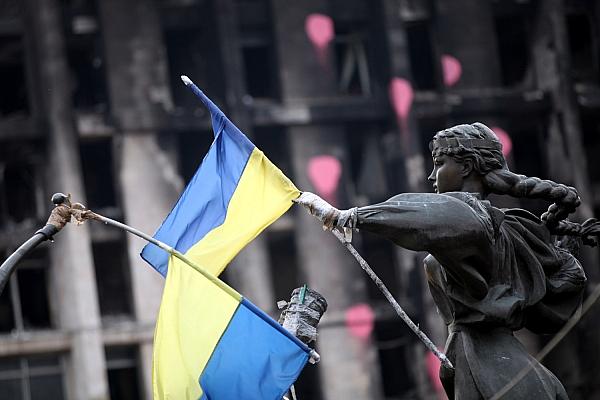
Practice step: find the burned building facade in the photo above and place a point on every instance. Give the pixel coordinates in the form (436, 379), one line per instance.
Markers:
(91, 103)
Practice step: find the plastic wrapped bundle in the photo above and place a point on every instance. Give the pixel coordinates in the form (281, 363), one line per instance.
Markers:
(302, 314)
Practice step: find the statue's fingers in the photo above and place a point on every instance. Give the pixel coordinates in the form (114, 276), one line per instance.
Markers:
(305, 198)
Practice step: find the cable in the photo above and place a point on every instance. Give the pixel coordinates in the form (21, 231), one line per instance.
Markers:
(589, 302)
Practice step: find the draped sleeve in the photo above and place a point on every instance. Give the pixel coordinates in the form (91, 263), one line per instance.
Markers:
(437, 223)
(548, 278)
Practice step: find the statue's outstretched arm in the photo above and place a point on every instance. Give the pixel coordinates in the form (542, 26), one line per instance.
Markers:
(416, 221)
(423, 222)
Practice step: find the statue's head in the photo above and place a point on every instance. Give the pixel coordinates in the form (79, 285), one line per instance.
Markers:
(469, 158)
(464, 153)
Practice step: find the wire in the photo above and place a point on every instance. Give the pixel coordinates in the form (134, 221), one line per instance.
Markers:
(589, 302)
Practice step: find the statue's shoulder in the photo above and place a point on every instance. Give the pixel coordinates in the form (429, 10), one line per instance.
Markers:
(467, 197)
(448, 197)
(490, 216)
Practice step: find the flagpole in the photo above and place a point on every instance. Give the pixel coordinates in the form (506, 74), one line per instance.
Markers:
(81, 214)
(54, 224)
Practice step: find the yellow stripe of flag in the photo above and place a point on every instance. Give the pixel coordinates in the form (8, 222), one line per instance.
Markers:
(183, 342)
(262, 195)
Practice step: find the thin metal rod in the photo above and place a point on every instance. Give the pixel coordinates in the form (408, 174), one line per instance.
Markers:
(365, 266)
(314, 357)
(587, 304)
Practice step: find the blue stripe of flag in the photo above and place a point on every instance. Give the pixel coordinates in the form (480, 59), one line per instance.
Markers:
(253, 361)
(203, 205)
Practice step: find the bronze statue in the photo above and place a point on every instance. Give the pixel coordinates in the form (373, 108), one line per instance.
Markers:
(490, 271)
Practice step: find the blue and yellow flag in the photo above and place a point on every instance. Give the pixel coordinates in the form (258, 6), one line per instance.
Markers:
(235, 194)
(210, 342)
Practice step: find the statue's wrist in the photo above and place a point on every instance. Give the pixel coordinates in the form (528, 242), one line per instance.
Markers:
(347, 218)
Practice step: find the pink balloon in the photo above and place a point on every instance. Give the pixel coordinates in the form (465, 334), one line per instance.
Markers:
(504, 139)
(319, 29)
(401, 97)
(324, 173)
(360, 320)
(452, 70)
(433, 370)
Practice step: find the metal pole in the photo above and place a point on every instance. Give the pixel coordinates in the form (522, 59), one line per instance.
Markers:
(314, 357)
(10, 264)
(87, 214)
(46, 233)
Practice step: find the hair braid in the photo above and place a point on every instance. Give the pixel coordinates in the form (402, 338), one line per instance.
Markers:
(497, 178)
(565, 198)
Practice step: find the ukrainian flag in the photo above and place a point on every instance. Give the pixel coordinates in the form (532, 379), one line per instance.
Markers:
(211, 343)
(235, 194)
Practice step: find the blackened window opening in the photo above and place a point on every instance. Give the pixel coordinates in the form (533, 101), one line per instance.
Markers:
(7, 317)
(274, 143)
(32, 378)
(112, 278)
(590, 127)
(32, 278)
(24, 304)
(18, 184)
(366, 164)
(528, 158)
(512, 32)
(98, 172)
(85, 56)
(14, 100)
(351, 60)
(190, 40)
(255, 32)
(395, 344)
(421, 55)
(380, 254)
(123, 373)
(192, 147)
(87, 64)
(583, 46)
(284, 266)
(189, 54)
(259, 72)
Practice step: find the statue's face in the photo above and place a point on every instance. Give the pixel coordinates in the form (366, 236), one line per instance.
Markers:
(446, 175)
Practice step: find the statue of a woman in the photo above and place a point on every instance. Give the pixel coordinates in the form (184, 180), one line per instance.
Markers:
(490, 271)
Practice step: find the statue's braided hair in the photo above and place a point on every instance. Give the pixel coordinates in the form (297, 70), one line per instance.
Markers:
(478, 143)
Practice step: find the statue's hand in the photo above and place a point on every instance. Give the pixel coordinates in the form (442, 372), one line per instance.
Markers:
(322, 210)
(331, 217)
